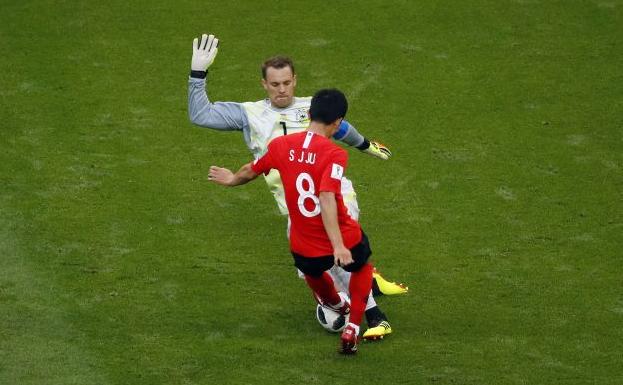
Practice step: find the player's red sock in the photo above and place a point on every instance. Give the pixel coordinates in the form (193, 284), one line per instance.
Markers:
(324, 288)
(359, 288)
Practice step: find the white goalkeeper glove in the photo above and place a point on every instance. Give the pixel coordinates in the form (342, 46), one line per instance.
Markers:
(204, 52)
(378, 150)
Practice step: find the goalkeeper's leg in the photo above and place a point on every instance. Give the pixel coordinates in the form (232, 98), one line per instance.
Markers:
(381, 286)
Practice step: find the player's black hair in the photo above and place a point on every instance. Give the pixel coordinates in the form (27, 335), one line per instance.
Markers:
(327, 106)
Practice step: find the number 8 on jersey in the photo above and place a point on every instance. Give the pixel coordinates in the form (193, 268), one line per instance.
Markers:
(304, 194)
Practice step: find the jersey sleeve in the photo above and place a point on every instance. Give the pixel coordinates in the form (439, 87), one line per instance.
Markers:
(224, 116)
(333, 173)
(264, 164)
(347, 133)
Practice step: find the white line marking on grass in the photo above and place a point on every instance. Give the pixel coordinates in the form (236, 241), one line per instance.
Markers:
(505, 193)
(608, 5)
(371, 74)
(576, 140)
(318, 42)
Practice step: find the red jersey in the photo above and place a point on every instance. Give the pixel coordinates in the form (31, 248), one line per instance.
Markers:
(308, 164)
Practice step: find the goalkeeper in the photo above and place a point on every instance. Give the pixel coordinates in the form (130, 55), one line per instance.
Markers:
(281, 113)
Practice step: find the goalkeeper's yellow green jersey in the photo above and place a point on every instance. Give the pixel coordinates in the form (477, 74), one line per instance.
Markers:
(267, 123)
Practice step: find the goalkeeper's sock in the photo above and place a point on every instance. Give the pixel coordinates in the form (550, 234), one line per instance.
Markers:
(359, 288)
(374, 316)
(324, 288)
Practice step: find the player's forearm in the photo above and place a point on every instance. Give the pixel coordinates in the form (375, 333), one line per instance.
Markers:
(220, 116)
(328, 210)
(225, 177)
(244, 175)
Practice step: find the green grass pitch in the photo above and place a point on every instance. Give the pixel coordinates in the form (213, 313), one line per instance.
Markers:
(502, 207)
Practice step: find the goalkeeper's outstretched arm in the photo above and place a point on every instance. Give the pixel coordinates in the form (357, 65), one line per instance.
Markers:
(202, 112)
(348, 134)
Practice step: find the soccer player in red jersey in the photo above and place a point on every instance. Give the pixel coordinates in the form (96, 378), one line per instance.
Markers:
(322, 234)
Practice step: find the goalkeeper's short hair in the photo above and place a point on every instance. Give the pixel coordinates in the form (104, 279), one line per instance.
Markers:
(277, 62)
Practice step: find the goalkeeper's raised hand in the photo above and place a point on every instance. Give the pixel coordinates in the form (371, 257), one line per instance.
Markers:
(378, 150)
(204, 52)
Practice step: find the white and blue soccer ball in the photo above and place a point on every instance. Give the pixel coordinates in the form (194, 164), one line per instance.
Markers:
(330, 319)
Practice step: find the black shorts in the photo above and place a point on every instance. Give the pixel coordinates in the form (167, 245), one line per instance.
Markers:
(315, 266)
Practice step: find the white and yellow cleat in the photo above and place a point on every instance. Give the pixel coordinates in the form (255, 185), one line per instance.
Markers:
(377, 332)
(386, 287)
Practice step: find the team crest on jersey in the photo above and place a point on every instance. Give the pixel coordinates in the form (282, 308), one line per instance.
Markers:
(301, 114)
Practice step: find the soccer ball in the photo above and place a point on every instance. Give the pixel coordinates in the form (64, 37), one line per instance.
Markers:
(330, 319)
